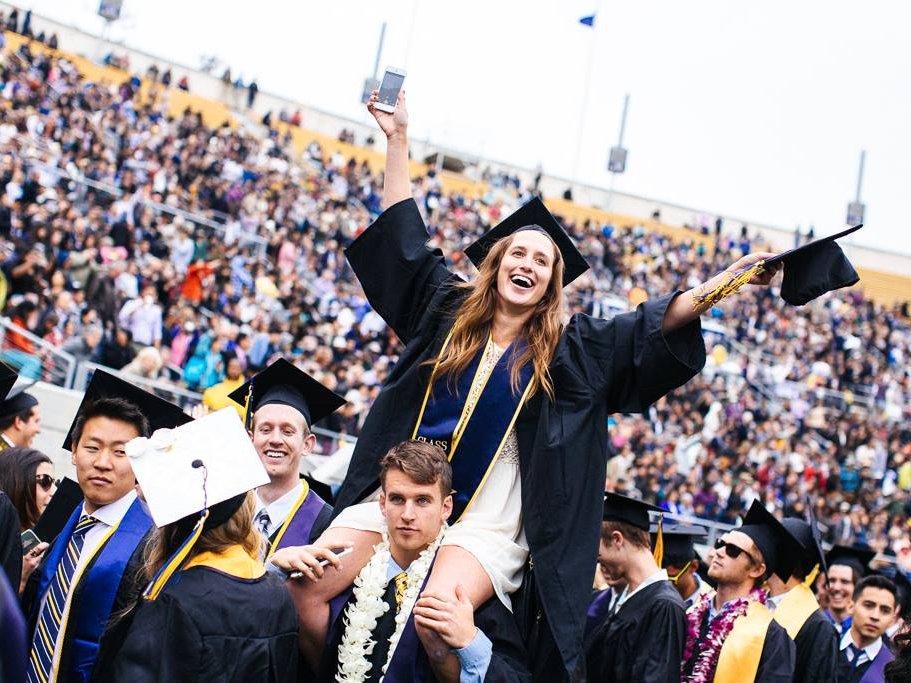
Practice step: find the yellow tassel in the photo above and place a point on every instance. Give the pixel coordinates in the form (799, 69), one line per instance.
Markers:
(176, 561)
(811, 577)
(731, 286)
(248, 404)
(658, 552)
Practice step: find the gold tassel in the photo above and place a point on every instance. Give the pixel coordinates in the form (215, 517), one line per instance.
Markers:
(658, 552)
(811, 577)
(731, 286)
(248, 405)
(176, 561)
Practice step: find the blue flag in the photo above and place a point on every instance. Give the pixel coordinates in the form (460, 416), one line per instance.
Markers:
(588, 21)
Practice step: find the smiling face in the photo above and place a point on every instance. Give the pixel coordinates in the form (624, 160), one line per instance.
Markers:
(841, 586)
(102, 466)
(281, 438)
(526, 269)
(414, 514)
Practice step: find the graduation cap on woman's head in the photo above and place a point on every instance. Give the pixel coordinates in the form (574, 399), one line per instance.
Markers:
(285, 384)
(533, 215)
(810, 271)
(777, 546)
(194, 477)
(159, 413)
(854, 557)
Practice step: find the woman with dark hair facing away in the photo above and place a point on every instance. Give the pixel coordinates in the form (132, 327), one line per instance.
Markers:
(27, 477)
(518, 399)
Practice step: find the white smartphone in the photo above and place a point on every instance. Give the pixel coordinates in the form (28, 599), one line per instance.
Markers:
(338, 552)
(392, 83)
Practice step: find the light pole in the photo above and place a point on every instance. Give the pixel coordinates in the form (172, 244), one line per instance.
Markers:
(856, 208)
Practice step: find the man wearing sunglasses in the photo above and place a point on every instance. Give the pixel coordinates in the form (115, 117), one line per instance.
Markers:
(680, 560)
(642, 635)
(733, 636)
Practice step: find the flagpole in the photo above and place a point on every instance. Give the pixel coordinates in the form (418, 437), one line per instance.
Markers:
(587, 86)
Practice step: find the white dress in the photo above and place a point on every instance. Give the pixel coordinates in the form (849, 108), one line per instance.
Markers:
(491, 529)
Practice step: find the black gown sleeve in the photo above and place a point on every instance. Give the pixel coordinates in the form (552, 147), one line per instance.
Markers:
(630, 361)
(164, 644)
(776, 663)
(10, 542)
(817, 650)
(398, 272)
(659, 654)
(509, 660)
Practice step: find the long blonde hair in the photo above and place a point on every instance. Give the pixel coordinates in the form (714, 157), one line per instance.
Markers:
(238, 530)
(474, 319)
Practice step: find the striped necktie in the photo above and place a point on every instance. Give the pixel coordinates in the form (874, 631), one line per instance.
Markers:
(42, 656)
(263, 520)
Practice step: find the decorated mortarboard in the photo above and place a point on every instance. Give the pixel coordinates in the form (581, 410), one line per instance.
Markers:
(8, 378)
(195, 476)
(810, 271)
(634, 512)
(285, 384)
(157, 411)
(856, 558)
(17, 400)
(679, 538)
(777, 546)
(533, 215)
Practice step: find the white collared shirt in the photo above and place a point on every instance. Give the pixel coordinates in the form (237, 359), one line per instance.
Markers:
(108, 516)
(660, 575)
(279, 509)
(775, 600)
(867, 654)
(9, 441)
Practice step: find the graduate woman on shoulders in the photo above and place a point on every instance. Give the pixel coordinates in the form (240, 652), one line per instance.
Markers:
(209, 611)
(518, 400)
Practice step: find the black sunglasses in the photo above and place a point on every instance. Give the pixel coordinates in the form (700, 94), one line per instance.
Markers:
(731, 550)
(45, 481)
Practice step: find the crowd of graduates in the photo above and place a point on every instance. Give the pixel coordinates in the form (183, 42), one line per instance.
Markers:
(469, 571)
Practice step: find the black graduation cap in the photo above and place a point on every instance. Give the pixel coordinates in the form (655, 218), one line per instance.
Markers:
(159, 413)
(8, 378)
(286, 384)
(17, 399)
(679, 538)
(810, 544)
(851, 556)
(532, 215)
(619, 508)
(813, 269)
(903, 588)
(777, 546)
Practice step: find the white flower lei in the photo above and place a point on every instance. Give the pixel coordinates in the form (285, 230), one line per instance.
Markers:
(362, 614)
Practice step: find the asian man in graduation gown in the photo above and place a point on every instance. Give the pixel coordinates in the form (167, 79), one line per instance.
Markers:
(643, 634)
(485, 642)
(91, 571)
(795, 608)
(282, 404)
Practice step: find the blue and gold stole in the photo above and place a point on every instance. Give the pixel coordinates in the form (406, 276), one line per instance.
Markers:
(99, 586)
(483, 427)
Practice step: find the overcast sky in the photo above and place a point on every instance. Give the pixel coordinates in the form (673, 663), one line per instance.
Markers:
(757, 110)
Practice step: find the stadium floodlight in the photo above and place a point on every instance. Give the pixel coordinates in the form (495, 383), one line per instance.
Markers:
(110, 9)
(856, 208)
(373, 83)
(616, 162)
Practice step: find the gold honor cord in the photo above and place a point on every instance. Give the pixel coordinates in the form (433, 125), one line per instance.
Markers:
(730, 286)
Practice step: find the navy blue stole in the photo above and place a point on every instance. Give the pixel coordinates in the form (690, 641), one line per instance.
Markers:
(485, 426)
(99, 587)
(299, 524)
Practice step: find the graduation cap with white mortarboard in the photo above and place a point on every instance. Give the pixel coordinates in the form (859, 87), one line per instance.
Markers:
(159, 412)
(634, 512)
(532, 215)
(771, 538)
(196, 477)
(810, 271)
(285, 384)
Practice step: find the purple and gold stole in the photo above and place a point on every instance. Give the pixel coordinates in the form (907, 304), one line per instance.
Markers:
(484, 426)
(299, 523)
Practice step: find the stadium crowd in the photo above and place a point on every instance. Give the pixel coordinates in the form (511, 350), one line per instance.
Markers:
(113, 269)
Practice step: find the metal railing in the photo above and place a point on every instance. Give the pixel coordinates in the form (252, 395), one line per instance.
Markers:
(33, 357)
(180, 396)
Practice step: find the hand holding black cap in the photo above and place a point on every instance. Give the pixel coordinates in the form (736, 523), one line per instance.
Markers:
(530, 216)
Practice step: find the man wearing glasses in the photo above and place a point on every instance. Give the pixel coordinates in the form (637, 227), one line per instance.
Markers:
(732, 635)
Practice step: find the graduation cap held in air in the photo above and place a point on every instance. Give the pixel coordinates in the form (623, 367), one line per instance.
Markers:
(810, 271)
(634, 512)
(533, 215)
(157, 411)
(285, 384)
(777, 546)
(679, 538)
(856, 558)
(194, 477)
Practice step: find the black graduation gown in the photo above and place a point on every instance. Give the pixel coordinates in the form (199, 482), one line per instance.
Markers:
(817, 650)
(508, 661)
(210, 626)
(642, 641)
(131, 584)
(600, 367)
(10, 542)
(776, 663)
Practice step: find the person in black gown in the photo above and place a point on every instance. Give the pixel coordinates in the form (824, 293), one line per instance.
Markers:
(578, 374)
(643, 635)
(864, 649)
(210, 611)
(796, 609)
